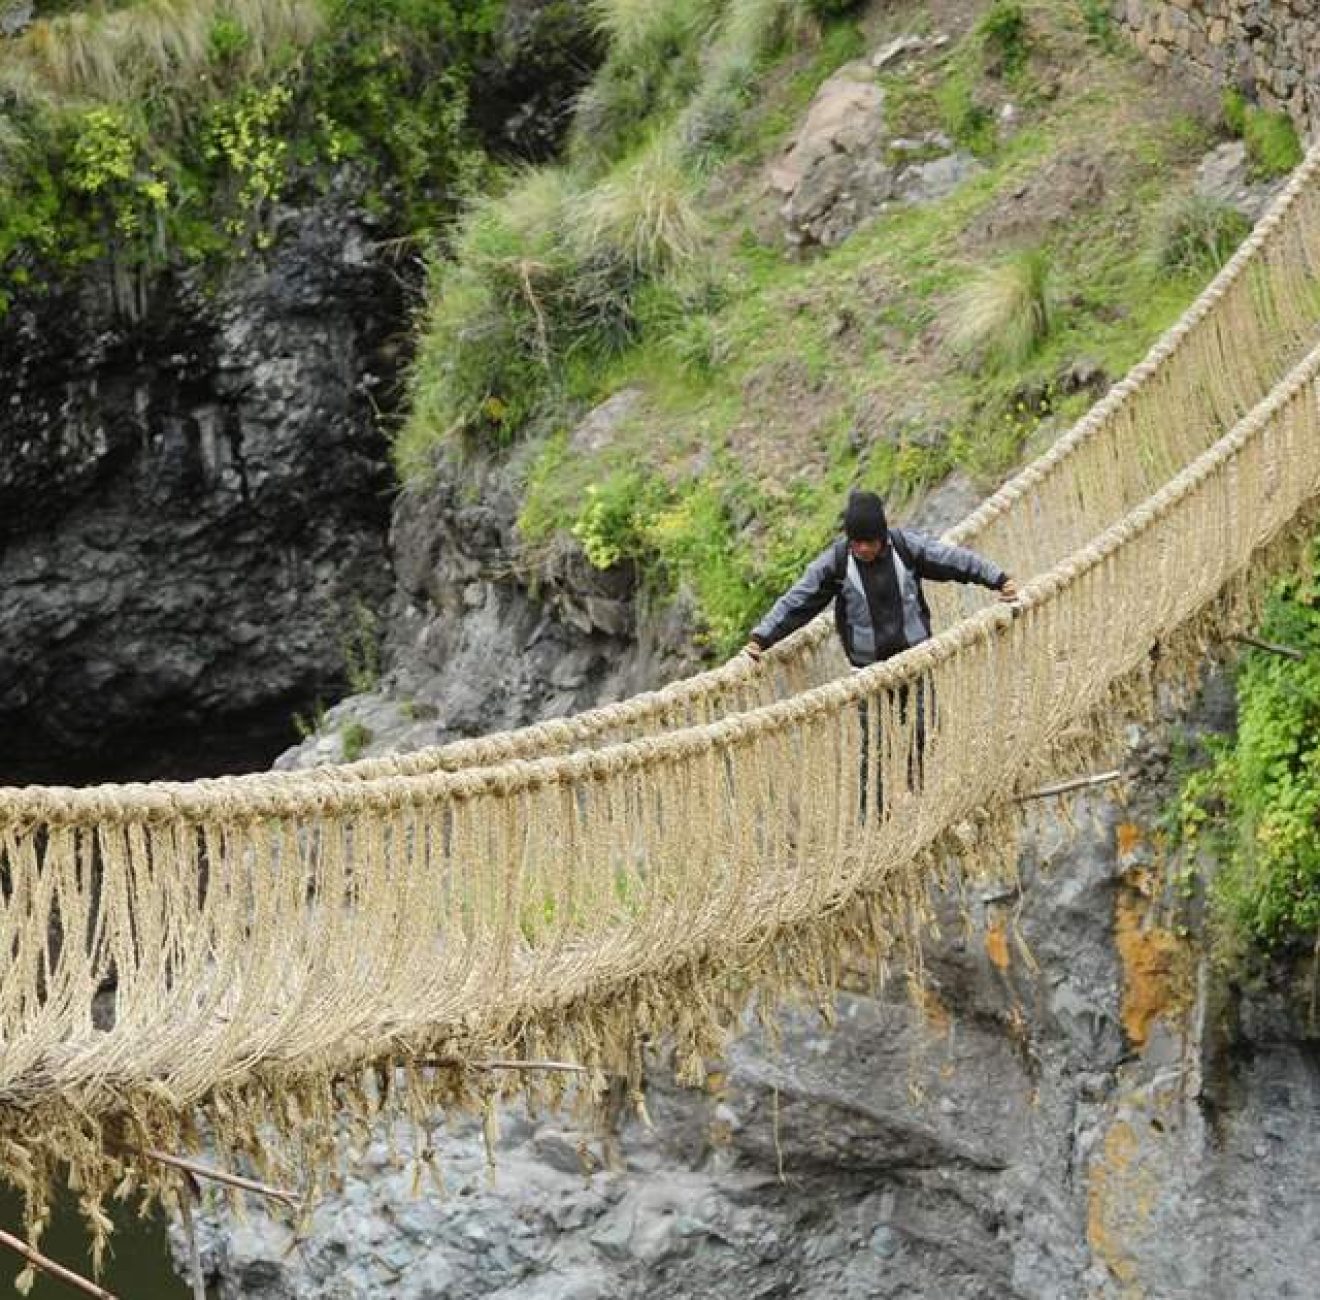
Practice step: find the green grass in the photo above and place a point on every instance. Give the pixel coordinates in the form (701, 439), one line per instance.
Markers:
(1272, 143)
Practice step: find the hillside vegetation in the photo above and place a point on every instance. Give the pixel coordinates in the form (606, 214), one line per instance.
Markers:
(169, 131)
(941, 336)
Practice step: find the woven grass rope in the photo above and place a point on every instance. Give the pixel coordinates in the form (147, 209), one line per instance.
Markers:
(261, 956)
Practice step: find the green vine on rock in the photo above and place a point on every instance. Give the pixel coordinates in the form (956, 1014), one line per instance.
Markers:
(243, 140)
(1261, 796)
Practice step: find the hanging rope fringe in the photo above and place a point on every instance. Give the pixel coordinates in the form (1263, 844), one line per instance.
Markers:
(261, 956)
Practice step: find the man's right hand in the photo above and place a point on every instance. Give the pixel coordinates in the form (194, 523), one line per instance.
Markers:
(753, 652)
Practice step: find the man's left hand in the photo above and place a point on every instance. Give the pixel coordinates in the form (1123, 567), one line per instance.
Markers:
(1009, 591)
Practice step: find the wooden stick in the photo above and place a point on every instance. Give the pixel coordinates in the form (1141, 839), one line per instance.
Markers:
(551, 1067)
(186, 1194)
(1080, 783)
(222, 1176)
(1286, 651)
(38, 1260)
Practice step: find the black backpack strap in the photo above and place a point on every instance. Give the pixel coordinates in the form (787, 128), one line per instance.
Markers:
(841, 574)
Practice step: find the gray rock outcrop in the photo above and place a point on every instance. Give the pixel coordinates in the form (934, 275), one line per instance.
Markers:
(486, 634)
(1223, 175)
(843, 168)
(16, 16)
(194, 495)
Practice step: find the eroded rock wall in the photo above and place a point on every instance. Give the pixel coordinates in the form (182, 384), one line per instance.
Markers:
(194, 500)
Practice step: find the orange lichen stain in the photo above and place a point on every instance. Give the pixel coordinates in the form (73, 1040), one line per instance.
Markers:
(996, 942)
(1128, 838)
(1116, 1203)
(1154, 968)
(933, 1011)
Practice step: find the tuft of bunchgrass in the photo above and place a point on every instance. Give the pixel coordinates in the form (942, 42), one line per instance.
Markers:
(686, 57)
(544, 274)
(644, 215)
(752, 31)
(495, 324)
(1196, 235)
(1006, 312)
(648, 29)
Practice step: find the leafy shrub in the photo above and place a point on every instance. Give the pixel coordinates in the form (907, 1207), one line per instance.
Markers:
(139, 130)
(1198, 235)
(1273, 148)
(242, 140)
(1004, 314)
(609, 526)
(1005, 36)
(1267, 782)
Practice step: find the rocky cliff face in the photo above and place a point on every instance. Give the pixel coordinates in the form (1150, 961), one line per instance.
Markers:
(195, 499)
(484, 635)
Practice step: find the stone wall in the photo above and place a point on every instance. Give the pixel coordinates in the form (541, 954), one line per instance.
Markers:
(1270, 49)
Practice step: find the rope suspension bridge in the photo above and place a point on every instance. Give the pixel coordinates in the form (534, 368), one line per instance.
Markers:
(261, 959)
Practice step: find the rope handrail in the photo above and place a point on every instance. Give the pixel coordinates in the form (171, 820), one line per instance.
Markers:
(1293, 222)
(197, 800)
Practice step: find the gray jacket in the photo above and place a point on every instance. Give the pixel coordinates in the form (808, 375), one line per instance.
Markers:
(833, 575)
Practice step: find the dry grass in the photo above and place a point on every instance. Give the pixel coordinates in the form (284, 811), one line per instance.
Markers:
(645, 213)
(631, 26)
(116, 56)
(1004, 314)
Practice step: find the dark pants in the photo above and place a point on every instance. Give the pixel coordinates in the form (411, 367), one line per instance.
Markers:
(907, 698)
